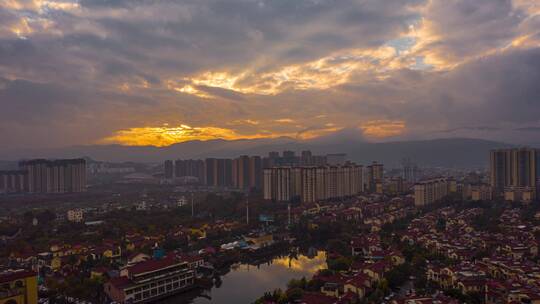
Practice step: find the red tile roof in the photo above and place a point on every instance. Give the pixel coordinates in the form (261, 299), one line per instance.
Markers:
(152, 265)
(120, 282)
(15, 275)
(316, 298)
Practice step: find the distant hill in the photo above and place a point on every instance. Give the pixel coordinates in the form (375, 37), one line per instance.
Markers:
(8, 165)
(452, 152)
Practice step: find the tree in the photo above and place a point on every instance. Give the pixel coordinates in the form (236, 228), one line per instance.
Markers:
(441, 224)
(294, 294)
(338, 246)
(398, 276)
(293, 283)
(339, 264)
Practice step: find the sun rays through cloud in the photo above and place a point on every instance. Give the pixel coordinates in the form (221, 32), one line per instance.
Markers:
(112, 71)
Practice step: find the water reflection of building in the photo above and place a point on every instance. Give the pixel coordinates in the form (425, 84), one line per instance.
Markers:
(257, 241)
(274, 273)
(305, 263)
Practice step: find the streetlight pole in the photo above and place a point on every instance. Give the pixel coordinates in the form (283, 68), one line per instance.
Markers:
(247, 211)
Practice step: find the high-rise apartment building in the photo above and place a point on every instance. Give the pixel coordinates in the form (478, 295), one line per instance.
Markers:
(241, 172)
(430, 191)
(375, 175)
(255, 172)
(514, 170)
(228, 172)
(169, 169)
(244, 172)
(311, 183)
(55, 176)
(277, 184)
(306, 158)
(15, 181)
(191, 168)
(210, 165)
(336, 159)
(395, 185)
(481, 193)
(410, 172)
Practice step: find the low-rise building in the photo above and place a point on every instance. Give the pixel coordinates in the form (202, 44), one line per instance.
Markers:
(151, 280)
(75, 215)
(18, 286)
(481, 193)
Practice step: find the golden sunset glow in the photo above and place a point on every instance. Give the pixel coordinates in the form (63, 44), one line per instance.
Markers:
(310, 134)
(284, 120)
(383, 128)
(168, 135)
(320, 74)
(303, 263)
(189, 89)
(40, 5)
(165, 135)
(22, 28)
(425, 35)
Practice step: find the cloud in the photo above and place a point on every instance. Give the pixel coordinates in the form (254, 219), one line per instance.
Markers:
(93, 71)
(528, 129)
(382, 128)
(451, 32)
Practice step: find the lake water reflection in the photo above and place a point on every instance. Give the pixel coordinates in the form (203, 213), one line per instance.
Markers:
(246, 283)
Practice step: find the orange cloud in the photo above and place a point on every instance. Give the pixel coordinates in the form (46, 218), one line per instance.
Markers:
(323, 73)
(383, 128)
(167, 135)
(284, 120)
(309, 134)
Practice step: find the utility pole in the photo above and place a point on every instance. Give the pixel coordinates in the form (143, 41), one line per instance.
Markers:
(289, 214)
(247, 211)
(192, 207)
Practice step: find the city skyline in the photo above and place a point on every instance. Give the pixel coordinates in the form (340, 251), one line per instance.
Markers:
(270, 151)
(138, 73)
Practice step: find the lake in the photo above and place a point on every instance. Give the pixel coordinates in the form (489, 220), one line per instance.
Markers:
(246, 283)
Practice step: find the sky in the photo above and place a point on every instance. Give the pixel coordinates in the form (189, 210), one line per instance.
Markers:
(142, 72)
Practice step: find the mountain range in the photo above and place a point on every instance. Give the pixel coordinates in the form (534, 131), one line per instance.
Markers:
(448, 152)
